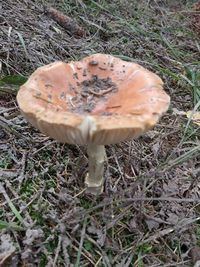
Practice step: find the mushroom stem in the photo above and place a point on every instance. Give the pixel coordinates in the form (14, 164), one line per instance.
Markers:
(94, 179)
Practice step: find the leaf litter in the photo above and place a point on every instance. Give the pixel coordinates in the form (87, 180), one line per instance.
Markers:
(149, 212)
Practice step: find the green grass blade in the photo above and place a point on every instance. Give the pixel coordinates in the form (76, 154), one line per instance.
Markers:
(13, 80)
(23, 43)
(7, 225)
(11, 205)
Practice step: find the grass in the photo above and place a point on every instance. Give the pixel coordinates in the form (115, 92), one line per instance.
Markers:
(50, 194)
(193, 74)
(6, 162)
(11, 205)
(9, 226)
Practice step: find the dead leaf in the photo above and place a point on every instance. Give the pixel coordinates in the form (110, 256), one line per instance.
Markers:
(195, 254)
(32, 235)
(194, 116)
(178, 112)
(101, 235)
(195, 18)
(155, 148)
(152, 225)
(7, 248)
(173, 218)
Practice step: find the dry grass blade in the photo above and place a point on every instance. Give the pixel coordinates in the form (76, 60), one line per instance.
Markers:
(169, 199)
(104, 257)
(9, 127)
(77, 264)
(57, 251)
(23, 43)
(168, 231)
(6, 174)
(188, 155)
(152, 182)
(11, 205)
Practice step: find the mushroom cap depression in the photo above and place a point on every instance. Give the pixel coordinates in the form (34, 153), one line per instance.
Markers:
(100, 99)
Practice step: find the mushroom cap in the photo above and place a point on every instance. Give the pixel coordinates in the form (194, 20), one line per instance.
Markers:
(100, 99)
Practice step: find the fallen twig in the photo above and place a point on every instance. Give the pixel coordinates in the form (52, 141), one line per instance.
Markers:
(8, 126)
(23, 165)
(5, 110)
(57, 251)
(81, 243)
(63, 243)
(167, 231)
(169, 199)
(102, 252)
(8, 174)
(8, 90)
(4, 259)
(140, 199)
(43, 147)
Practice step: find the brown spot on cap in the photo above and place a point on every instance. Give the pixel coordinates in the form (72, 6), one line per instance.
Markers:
(48, 85)
(75, 75)
(63, 95)
(84, 72)
(102, 68)
(38, 94)
(93, 63)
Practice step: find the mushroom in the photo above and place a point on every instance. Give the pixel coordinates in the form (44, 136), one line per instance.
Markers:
(97, 101)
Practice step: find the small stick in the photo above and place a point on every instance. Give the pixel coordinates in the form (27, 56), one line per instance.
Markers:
(70, 100)
(8, 126)
(5, 110)
(102, 92)
(8, 174)
(81, 243)
(66, 242)
(118, 106)
(23, 165)
(2, 261)
(57, 251)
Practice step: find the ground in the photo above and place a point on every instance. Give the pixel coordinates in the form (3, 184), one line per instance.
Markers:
(149, 213)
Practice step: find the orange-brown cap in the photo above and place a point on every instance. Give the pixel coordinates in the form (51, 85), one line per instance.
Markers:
(100, 99)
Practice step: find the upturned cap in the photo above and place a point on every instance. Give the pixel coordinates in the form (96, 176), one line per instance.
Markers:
(100, 99)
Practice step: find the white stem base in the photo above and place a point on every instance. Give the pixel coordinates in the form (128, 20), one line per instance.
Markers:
(94, 180)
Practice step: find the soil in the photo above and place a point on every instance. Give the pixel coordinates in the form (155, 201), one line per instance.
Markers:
(148, 214)
(195, 18)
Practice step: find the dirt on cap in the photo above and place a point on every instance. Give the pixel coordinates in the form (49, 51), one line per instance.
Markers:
(92, 91)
